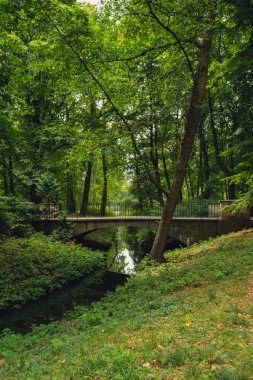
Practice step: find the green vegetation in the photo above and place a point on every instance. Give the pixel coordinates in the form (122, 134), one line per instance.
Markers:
(31, 267)
(144, 101)
(16, 216)
(147, 103)
(61, 139)
(190, 318)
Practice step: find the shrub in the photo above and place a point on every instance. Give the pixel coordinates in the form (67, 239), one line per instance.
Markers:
(16, 216)
(32, 266)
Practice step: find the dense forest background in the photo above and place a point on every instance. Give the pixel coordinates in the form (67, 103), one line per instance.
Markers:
(94, 99)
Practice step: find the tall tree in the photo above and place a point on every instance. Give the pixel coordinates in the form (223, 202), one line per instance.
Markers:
(192, 122)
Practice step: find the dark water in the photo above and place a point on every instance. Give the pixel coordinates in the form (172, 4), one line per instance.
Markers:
(125, 247)
(53, 306)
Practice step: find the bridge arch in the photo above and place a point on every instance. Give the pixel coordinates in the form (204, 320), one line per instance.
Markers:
(185, 230)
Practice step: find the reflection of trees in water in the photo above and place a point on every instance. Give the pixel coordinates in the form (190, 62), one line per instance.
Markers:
(130, 245)
(139, 241)
(127, 244)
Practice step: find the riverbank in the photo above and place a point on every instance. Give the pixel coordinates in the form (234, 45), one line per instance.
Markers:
(34, 266)
(53, 306)
(190, 318)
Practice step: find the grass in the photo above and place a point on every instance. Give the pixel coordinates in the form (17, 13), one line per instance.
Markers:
(191, 318)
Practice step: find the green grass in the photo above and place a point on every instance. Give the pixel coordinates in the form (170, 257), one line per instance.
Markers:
(32, 266)
(190, 318)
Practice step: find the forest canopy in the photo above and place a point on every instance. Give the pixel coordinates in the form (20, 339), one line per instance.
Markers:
(94, 100)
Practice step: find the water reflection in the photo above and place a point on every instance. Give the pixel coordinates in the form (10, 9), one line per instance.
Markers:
(124, 260)
(128, 245)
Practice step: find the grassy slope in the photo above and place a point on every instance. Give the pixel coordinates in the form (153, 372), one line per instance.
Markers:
(188, 319)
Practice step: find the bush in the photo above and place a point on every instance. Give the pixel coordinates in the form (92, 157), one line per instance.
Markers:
(32, 266)
(16, 216)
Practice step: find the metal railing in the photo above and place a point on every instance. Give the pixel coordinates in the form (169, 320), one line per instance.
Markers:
(189, 209)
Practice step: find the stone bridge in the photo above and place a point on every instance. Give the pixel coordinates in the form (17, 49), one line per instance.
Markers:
(185, 230)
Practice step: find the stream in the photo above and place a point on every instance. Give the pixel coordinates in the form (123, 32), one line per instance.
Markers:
(124, 246)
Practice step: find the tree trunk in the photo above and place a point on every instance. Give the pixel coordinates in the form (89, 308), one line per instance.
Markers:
(104, 193)
(203, 148)
(5, 178)
(86, 190)
(227, 172)
(33, 196)
(155, 162)
(165, 170)
(200, 179)
(71, 203)
(187, 187)
(192, 122)
(10, 171)
(191, 186)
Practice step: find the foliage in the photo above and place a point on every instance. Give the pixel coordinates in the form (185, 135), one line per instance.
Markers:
(55, 119)
(5, 218)
(17, 215)
(48, 189)
(30, 267)
(190, 318)
(96, 211)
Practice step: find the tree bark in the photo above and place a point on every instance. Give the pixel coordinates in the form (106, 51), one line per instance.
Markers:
(192, 122)
(71, 203)
(227, 172)
(155, 162)
(165, 170)
(104, 193)
(86, 190)
(203, 148)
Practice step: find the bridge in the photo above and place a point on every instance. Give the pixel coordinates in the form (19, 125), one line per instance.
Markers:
(193, 222)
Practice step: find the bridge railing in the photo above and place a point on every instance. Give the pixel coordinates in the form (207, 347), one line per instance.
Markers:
(189, 209)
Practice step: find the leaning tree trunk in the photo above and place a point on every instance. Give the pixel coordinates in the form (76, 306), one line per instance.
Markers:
(86, 190)
(192, 122)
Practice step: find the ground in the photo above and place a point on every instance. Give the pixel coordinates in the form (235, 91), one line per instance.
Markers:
(191, 318)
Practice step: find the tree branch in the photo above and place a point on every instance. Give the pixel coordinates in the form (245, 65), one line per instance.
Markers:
(107, 95)
(149, 2)
(143, 53)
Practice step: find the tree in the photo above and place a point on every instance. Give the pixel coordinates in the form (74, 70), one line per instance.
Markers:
(192, 123)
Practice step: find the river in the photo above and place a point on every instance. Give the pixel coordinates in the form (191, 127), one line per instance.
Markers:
(125, 247)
